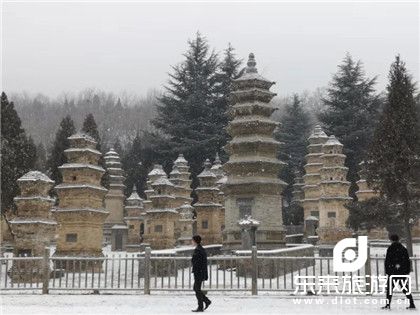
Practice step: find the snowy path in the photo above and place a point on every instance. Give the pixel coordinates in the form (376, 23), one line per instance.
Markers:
(182, 304)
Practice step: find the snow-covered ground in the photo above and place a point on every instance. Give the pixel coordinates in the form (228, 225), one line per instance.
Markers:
(183, 304)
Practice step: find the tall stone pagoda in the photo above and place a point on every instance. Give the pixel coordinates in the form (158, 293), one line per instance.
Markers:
(312, 177)
(114, 202)
(162, 218)
(180, 177)
(252, 186)
(209, 210)
(33, 227)
(134, 218)
(185, 223)
(334, 194)
(80, 212)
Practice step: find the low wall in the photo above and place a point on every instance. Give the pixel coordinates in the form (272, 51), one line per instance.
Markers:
(294, 238)
(271, 268)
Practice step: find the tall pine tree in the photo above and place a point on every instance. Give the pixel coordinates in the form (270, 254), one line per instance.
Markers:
(295, 125)
(352, 108)
(395, 150)
(18, 153)
(228, 71)
(61, 143)
(186, 113)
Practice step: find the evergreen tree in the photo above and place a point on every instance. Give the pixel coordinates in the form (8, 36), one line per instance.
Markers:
(61, 143)
(395, 149)
(18, 153)
(41, 158)
(133, 167)
(186, 113)
(228, 71)
(351, 113)
(118, 147)
(91, 128)
(295, 125)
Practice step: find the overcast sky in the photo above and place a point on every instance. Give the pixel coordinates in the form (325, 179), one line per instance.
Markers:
(55, 47)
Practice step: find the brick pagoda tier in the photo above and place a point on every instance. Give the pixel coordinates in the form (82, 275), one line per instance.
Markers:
(161, 219)
(312, 177)
(252, 186)
(154, 174)
(185, 224)
(33, 226)
(134, 218)
(80, 212)
(115, 230)
(210, 214)
(334, 194)
(180, 177)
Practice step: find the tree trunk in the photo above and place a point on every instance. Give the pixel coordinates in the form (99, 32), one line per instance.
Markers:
(408, 236)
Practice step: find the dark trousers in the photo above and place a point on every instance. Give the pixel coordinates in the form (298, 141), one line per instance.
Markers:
(201, 298)
(389, 290)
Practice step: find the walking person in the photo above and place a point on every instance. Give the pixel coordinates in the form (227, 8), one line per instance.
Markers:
(397, 262)
(199, 269)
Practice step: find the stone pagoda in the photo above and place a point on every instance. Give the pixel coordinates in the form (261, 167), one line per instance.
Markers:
(312, 177)
(161, 219)
(33, 226)
(114, 202)
(180, 177)
(134, 218)
(334, 190)
(252, 186)
(364, 193)
(185, 223)
(154, 174)
(298, 195)
(209, 210)
(80, 212)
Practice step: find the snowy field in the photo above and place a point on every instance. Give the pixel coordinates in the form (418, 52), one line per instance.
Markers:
(182, 304)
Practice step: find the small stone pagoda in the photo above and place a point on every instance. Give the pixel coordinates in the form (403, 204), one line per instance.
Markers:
(80, 212)
(298, 195)
(185, 223)
(334, 190)
(33, 226)
(134, 218)
(154, 174)
(161, 219)
(115, 229)
(364, 193)
(252, 186)
(312, 177)
(180, 177)
(209, 210)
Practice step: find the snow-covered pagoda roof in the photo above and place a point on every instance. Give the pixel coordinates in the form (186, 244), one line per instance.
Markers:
(134, 195)
(161, 181)
(157, 170)
(181, 159)
(332, 141)
(33, 176)
(251, 73)
(207, 172)
(318, 133)
(81, 135)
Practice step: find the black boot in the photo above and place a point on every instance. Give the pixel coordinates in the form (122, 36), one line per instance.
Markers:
(386, 307)
(200, 309)
(207, 303)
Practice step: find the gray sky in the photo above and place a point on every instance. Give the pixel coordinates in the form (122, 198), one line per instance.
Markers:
(56, 47)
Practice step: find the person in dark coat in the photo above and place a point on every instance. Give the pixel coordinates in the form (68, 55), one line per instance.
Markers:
(199, 269)
(397, 262)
